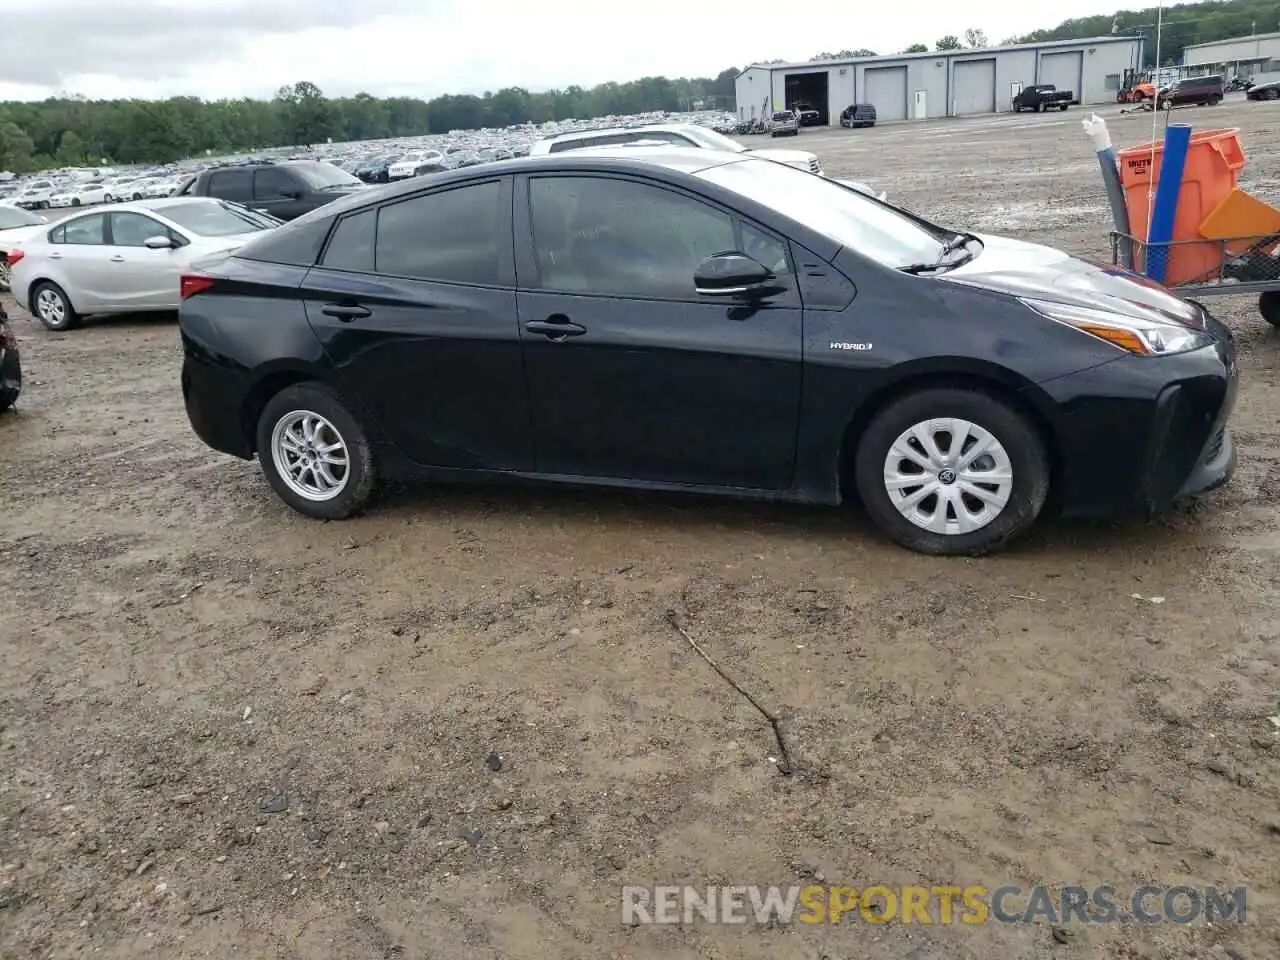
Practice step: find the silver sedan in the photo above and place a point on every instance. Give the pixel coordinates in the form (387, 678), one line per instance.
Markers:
(125, 259)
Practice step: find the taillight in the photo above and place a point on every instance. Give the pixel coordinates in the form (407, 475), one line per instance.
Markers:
(193, 283)
(13, 256)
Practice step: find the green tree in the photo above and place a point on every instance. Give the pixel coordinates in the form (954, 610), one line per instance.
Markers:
(916, 48)
(975, 38)
(949, 42)
(71, 149)
(16, 148)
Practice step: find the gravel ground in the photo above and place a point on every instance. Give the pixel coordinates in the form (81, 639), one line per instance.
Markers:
(229, 731)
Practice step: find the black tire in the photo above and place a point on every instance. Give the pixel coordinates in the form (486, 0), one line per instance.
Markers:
(1064, 106)
(1028, 459)
(50, 319)
(361, 473)
(1269, 307)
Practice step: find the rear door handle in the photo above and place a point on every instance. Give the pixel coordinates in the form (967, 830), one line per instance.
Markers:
(346, 312)
(556, 327)
(55, 256)
(117, 259)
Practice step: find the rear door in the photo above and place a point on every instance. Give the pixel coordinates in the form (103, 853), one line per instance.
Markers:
(415, 305)
(78, 251)
(631, 374)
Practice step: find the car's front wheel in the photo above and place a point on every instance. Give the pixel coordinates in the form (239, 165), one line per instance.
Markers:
(52, 308)
(314, 453)
(952, 471)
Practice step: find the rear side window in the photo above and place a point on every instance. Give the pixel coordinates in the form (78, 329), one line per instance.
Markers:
(351, 246)
(232, 185)
(450, 237)
(87, 230)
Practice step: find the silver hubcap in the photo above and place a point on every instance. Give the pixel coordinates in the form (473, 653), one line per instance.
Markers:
(948, 476)
(310, 455)
(4, 274)
(50, 308)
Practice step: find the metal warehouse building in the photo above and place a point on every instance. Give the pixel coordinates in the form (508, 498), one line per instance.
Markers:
(947, 83)
(1259, 53)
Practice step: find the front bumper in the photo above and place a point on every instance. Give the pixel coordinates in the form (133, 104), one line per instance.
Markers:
(1137, 434)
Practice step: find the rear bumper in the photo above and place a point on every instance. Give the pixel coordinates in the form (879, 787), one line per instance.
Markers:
(214, 398)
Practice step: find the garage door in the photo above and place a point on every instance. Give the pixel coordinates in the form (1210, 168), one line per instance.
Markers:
(886, 89)
(973, 88)
(1063, 70)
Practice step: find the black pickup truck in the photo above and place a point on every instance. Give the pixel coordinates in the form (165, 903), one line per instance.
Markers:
(1041, 97)
(806, 113)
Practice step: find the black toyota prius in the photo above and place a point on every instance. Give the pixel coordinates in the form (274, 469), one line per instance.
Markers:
(675, 319)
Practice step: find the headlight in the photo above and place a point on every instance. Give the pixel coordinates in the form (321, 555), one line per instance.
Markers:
(1146, 336)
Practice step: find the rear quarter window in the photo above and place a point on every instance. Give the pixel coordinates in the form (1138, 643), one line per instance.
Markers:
(297, 243)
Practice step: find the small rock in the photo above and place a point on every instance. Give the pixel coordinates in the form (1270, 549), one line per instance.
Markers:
(277, 804)
(315, 832)
(493, 762)
(185, 799)
(503, 803)
(1273, 828)
(1156, 835)
(473, 837)
(424, 819)
(397, 844)
(204, 909)
(1061, 934)
(248, 712)
(382, 826)
(144, 866)
(937, 606)
(314, 687)
(1221, 768)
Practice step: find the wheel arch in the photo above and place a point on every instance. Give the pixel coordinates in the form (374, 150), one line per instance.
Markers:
(30, 305)
(264, 388)
(998, 382)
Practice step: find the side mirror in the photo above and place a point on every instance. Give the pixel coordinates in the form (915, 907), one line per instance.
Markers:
(733, 274)
(158, 243)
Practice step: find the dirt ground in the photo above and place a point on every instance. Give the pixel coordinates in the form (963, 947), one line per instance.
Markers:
(226, 730)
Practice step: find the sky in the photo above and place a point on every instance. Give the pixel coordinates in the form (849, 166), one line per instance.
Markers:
(423, 48)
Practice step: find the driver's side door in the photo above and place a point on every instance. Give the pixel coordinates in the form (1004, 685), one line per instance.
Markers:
(631, 374)
(277, 193)
(142, 278)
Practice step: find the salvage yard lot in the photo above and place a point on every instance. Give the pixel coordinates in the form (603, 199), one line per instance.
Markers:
(223, 725)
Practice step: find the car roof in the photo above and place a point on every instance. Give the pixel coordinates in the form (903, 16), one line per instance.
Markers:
(610, 131)
(155, 204)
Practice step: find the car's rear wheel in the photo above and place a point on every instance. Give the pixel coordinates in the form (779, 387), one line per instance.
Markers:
(6, 274)
(952, 471)
(53, 308)
(314, 453)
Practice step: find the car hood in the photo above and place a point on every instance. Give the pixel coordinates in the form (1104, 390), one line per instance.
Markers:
(1043, 273)
(789, 157)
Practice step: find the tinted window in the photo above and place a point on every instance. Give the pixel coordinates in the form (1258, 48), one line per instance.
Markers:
(133, 229)
(232, 184)
(351, 246)
(451, 236)
(321, 175)
(272, 184)
(621, 238)
(86, 230)
(297, 243)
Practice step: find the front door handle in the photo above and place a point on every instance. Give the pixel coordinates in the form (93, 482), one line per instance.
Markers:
(556, 327)
(55, 256)
(117, 259)
(346, 312)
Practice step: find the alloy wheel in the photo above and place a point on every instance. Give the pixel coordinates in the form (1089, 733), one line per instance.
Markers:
(50, 307)
(6, 274)
(310, 455)
(948, 476)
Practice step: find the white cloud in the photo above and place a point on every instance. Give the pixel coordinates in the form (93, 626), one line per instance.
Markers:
(145, 48)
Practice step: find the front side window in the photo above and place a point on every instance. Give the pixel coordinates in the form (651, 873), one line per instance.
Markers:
(90, 231)
(451, 237)
(619, 238)
(272, 184)
(134, 230)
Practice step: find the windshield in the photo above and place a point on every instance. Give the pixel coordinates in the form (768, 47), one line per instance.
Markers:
(321, 175)
(11, 217)
(711, 140)
(209, 219)
(843, 215)
(259, 221)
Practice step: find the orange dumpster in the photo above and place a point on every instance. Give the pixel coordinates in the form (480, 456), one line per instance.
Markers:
(1213, 160)
(1240, 215)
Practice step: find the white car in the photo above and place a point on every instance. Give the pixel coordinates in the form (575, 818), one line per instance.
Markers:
(124, 259)
(35, 195)
(411, 163)
(685, 135)
(16, 225)
(63, 196)
(118, 190)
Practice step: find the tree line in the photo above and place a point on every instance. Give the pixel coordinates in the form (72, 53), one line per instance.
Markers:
(70, 131)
